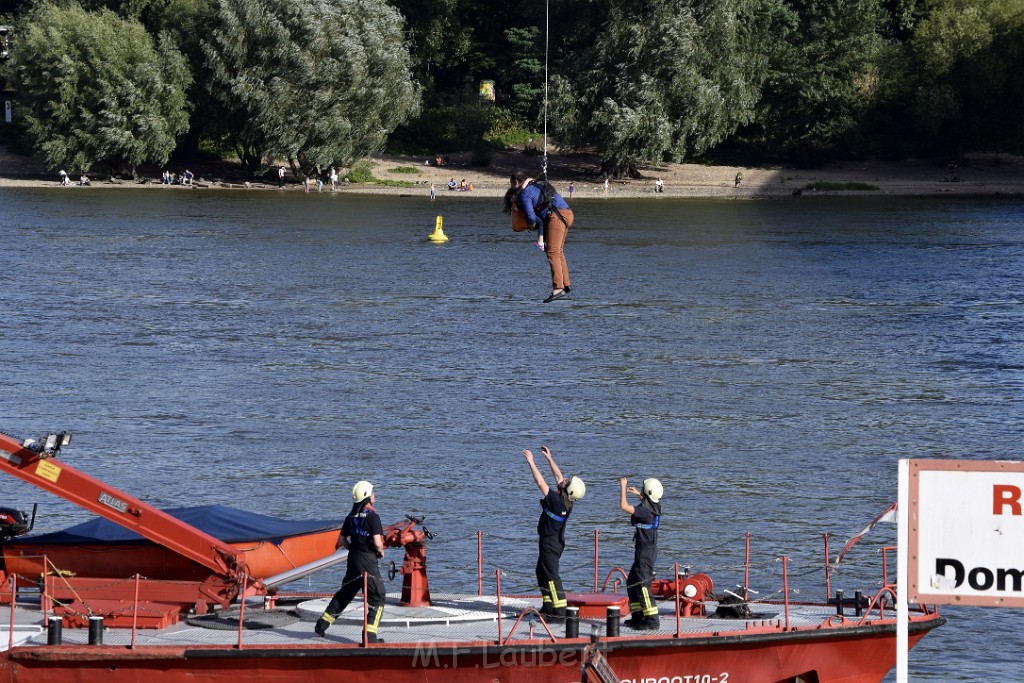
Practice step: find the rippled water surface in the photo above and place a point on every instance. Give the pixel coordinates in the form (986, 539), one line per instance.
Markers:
(769, 361)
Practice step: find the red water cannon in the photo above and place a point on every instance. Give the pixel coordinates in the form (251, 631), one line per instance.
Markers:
(415, 587)
(694, 590)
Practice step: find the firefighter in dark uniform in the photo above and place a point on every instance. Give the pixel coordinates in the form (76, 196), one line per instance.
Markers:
(363, 536)
(646, 518)
(556, 505)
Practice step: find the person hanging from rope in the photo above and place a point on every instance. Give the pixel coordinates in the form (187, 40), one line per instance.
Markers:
(556, 506)
(545, 210)
(645, 518)
(363, 535)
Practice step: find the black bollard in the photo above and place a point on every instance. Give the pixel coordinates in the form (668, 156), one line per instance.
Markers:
(858, 608)
(55, 631)
(572, 622)
(839, 603)
(613, 622)
(95, 630)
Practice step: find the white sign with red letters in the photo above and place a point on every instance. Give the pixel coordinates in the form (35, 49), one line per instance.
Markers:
(966, 532)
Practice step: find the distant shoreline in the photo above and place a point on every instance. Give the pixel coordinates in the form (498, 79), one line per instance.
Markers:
(992, 175)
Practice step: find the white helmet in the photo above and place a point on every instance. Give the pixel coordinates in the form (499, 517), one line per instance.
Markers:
(575, 488)
(361, 491)
(653, 489)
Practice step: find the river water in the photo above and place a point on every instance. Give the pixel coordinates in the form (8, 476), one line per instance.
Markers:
(769, 361)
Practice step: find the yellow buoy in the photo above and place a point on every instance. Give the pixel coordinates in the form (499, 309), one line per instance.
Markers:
(438, 234)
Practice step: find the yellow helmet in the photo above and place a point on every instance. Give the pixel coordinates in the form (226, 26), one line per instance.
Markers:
(575, 488)
(653, 489)
(361, 491)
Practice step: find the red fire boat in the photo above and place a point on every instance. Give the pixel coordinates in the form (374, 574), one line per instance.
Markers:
(68, 620)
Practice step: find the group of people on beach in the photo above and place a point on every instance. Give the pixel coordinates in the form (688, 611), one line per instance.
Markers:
(461, 186)
(65, 179)
(362, 534)
(169, 178)
(332, 181)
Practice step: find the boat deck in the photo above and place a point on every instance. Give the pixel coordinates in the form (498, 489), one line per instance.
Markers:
(451, 618)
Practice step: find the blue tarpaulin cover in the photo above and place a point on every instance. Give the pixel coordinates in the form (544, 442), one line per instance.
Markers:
(224, 523)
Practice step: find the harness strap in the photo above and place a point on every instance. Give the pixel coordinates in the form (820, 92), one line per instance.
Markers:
(553, 516)
(653, 525)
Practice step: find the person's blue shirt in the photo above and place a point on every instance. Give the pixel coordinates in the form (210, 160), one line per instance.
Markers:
(529, 197)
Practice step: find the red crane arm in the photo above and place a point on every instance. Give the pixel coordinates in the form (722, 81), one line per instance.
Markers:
(50, 474)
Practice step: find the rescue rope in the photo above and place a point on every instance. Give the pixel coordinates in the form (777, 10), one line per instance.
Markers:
(547, 33)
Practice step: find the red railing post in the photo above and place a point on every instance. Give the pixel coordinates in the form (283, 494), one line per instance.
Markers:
(746, 570)
(366, 607)
(597, 545)
(785, 588)
(241, 610)
(46, 599)
(678, 606)
(10, 644)
(828, 571)
(135, 610)
(479, 563)
(497, 576)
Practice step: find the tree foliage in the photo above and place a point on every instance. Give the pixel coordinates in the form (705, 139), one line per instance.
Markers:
(663, 79)
(317, 83)
(94, 87)
(966, 62)
(822, 74)
(322, 84)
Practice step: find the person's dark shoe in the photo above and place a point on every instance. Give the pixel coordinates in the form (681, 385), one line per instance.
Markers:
(321, 627)
(567, 289)
(373, 638)
(555, 295)
(635, 619)
(649, 624)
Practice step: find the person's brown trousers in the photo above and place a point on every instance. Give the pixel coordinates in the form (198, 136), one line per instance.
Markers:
(555, 230)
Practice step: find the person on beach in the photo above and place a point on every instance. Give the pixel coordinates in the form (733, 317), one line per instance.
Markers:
(556, 506)
(363, 536)
(549, 214)
(645, 518)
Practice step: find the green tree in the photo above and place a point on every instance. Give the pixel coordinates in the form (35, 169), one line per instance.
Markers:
(94, 88)
(662, 79)
(317, 83)
(439, 39)
(967, 78)
(823, 75)
(524, 77)
(187, 22)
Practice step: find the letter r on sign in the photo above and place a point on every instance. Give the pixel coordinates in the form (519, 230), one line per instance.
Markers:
(1004, 495)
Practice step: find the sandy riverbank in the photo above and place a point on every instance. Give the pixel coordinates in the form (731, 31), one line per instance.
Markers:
(979, 175)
